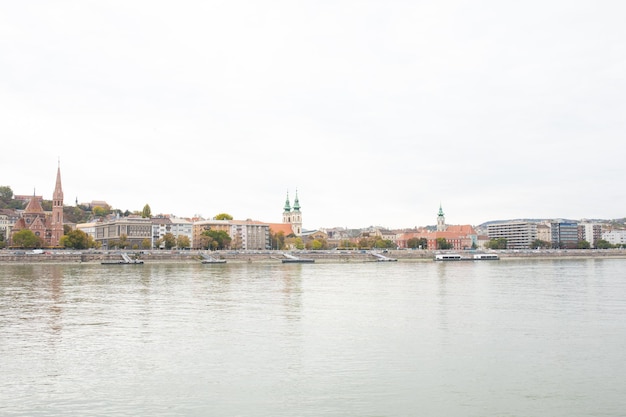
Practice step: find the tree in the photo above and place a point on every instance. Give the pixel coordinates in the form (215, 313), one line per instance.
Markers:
(223, 216)
(604, 244)
(417, 243)
(123, 242)
(443, 244)
(215, 239)
(183, 242)
(27, 239)
(540, 244)
(366, 243)
(277, 240)
(76, 214)
(76, 239)
(583, 244)
(146, 213)
(499, 243)
(381, 243)
(346, 244)
(7, 201)
(146, 244)
(169, 241)
(99, 211)
(6, 194)
(317, 244)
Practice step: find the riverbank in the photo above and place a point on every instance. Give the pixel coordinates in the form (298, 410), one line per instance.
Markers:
(60, 256)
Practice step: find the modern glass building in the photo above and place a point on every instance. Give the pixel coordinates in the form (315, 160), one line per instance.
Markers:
(564, 235)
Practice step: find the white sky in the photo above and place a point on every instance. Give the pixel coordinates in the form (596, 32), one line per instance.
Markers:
(375, 111)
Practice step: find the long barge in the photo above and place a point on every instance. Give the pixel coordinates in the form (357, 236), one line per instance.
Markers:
(476, 257)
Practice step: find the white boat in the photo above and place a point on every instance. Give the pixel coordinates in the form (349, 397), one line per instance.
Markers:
(475, 257)
(448, 257)
(486, 257)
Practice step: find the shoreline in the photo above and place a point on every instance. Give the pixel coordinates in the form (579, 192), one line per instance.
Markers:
(330, 256)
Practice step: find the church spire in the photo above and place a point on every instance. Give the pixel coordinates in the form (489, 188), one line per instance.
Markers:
(57, 211)
(58, 189)
(287, 206)
(296, 203)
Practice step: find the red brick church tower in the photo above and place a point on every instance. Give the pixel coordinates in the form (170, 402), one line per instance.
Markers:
(56, 222)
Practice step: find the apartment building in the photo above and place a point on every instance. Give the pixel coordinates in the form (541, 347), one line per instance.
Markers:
(174, 226)
(203, 225)
(615, 237)
(250, 235)
(518, 235)
(133, 232)
(7, 219)
(543, 232)
(590, 232)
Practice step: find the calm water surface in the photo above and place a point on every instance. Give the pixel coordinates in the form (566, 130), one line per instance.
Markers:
(508, 338)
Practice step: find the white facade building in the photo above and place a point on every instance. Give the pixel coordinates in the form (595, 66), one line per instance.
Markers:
(7, 220)
(87, 228)
(590, 232)
(518, 235)
(615, 237)
(175, 226)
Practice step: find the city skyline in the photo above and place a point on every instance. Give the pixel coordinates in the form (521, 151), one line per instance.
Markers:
(376, 112)
(293, 200)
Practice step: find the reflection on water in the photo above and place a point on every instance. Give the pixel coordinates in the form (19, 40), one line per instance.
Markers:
(516, 338)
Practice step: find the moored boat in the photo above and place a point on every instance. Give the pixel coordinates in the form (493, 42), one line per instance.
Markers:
(298, 261)
(486, 257)
(448, 257)
(475, 257)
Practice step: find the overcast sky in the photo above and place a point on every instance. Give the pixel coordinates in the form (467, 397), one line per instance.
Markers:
(375, 111)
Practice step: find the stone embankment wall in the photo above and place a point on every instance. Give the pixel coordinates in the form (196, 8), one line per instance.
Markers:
(7, 256)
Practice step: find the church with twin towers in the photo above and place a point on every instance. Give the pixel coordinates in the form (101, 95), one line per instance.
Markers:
(292, 215)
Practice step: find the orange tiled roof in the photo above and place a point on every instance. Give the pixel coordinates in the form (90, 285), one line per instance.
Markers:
(465, 229)
(281, 227)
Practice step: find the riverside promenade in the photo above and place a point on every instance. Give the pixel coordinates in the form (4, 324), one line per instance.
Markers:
(240, 256)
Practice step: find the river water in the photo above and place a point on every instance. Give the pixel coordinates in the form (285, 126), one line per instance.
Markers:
(491, 338)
